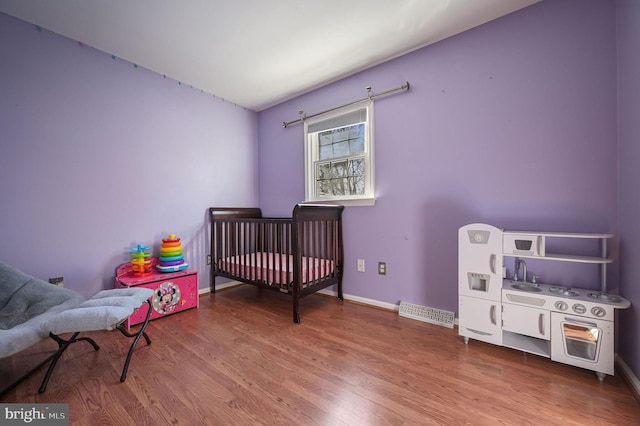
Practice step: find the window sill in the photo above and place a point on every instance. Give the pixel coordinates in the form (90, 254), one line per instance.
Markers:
(353, 202)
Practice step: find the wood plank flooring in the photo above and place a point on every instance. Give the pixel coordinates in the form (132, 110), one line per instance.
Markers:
(240, 360)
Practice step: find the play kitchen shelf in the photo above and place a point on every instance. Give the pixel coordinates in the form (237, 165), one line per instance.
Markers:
(568, 325)
(533, 245)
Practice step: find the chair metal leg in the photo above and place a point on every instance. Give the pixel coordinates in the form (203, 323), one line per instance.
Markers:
(137, 336)
(62, 346)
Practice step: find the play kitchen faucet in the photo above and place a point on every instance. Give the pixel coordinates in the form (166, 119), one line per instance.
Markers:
(521, 262)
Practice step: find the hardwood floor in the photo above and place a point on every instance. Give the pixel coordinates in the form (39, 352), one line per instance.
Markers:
(240, 359)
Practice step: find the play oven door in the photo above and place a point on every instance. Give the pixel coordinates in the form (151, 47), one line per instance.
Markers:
(583, 342)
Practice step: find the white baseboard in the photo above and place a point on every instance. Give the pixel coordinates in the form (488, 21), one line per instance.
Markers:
(366, 301)
(206, 290)
(325, 291)
(358, 299)
(363, 300)
(628, 374)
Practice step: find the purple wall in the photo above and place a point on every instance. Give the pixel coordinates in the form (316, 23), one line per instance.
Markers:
(97, 155)
(511, 123)
(628, 19)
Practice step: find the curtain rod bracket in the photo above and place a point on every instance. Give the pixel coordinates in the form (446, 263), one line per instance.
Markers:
(302, 117)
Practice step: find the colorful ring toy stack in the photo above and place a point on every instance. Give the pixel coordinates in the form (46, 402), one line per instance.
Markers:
(171, 256)
(141, 260)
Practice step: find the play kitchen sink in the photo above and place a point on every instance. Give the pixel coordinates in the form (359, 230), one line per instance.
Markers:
(526, 287)
(570, 325)
(553, 293)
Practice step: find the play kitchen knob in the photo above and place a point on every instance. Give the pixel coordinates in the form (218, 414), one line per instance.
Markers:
(597, 311)
(561, 306)
(579, 308)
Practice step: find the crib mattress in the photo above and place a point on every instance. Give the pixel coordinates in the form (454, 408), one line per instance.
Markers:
(275, 268)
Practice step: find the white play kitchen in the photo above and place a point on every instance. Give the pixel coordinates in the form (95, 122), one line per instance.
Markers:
(569, 325)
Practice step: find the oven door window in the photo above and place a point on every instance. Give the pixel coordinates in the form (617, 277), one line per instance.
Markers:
(581, 340)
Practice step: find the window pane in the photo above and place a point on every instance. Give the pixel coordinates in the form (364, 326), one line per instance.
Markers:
(356, 131)
(324, 171)
(326, 152)
(341, 149)
(356, 167)
(323, 188)
(341, 142)
(345, 177)
(356, 146)
(339, 169)
(341, 134)
(325, 138)
(340, 186)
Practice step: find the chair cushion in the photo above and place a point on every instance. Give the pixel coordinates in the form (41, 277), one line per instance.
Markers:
(11, 279)
(86, 319)
(31, 308)
(26, 297)
(104, 311)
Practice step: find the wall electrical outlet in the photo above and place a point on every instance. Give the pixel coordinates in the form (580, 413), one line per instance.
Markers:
(59, 281)
(382, 268)
(360, 265)
(208, 259)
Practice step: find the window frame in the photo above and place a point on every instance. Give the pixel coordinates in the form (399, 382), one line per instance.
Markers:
(311, 157)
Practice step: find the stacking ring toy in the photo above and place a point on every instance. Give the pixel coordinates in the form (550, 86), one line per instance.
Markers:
(171, 257)
(140, 260)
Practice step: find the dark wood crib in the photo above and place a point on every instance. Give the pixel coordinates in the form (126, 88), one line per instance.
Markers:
(297, 256)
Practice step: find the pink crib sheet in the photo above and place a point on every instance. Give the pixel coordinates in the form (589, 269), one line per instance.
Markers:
(274, 267)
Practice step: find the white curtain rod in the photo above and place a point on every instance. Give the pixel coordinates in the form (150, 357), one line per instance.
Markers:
(370, 95)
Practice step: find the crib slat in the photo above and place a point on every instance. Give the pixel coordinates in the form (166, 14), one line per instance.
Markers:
(287, 251)
(252, 252)
(308, 240)
(314, 250)
(228, 239)
(243, 249)
(269, 249)
(324, 248)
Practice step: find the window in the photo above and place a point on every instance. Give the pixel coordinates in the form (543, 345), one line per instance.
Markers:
(339, 156)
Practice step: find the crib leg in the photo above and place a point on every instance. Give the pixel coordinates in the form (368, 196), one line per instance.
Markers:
(296, 311)
(340, 295)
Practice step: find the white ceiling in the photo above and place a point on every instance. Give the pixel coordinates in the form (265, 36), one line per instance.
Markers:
(258, 53)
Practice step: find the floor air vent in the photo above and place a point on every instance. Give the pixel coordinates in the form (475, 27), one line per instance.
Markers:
(426, 314)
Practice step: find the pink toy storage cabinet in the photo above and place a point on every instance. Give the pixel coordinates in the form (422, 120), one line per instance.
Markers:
(174, 291)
